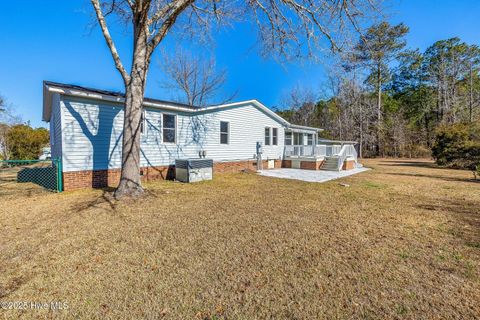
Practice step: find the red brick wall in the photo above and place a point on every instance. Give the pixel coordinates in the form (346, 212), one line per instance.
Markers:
(110, 178)
(278, 164)
(348, 165)
(158, 173)
(90, 179)
(310, 165)
(286, 163)
(237, 166)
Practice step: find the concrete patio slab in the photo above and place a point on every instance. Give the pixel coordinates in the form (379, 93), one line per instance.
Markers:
(309, 175)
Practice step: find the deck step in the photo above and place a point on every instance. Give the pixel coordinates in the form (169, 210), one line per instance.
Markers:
(330, 164)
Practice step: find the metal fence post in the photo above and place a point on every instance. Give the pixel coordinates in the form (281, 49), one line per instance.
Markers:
(59, 175)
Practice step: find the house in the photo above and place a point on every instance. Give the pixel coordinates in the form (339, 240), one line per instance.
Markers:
(86, 134)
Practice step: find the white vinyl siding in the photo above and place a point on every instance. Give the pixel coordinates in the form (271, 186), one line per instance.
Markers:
(56, 128)
(92, 135)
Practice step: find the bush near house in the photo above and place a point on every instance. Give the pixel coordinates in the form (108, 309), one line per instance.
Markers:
(458, 146)
(25, 142)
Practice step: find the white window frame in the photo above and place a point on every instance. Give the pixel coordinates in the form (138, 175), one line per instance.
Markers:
(300, 140)
(176, 126)
(220, 131)
(309, 139)
(274, 140)
(143, 124)
(291, 138)
(269, 136)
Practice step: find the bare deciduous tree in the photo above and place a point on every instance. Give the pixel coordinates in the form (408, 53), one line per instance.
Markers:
(198, 80)
(302, 101)
(288, 28)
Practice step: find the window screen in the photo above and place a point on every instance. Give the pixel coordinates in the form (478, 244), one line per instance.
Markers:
(224, 131)
(267, 136)
(169, 128)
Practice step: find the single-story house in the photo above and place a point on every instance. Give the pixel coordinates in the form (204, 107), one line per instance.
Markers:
(86, 134)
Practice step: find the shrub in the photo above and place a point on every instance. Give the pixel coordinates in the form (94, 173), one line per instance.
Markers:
(458, 146)
(26, 143)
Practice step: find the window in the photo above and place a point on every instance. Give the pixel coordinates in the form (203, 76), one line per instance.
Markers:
(143, 121)
(288, 138)
(310, 139)
(298, 139)
(275, 136)
(224, 132)
(169, 128)
(267, 136)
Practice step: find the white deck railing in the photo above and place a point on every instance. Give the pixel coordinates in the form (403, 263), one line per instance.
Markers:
(318, 150)
(347, 151)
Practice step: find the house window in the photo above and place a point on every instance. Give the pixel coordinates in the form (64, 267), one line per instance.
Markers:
(224, 132)
(169, 128)
(298, 139)
(267, 136)
(143, 125)
(288, 138)
(275, 136)
(310, 139)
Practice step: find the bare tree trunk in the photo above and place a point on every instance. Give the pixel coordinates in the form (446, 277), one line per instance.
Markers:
(130, 183)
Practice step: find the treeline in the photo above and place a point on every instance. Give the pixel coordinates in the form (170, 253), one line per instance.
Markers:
(19, 140)
(394, 101)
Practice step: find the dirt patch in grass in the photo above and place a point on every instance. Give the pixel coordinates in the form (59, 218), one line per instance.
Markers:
(401, 242)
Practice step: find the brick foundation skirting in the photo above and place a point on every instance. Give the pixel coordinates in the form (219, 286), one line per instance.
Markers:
(311, 165)
(286, 163)
(74, 180)
(348, 165)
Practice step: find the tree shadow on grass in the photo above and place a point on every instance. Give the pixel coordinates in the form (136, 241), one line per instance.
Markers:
(438, 177)
(407, 163)
(466, 216)
(98, 202)
(107, 202)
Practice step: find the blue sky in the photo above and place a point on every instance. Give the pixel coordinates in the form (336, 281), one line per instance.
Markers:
(52, 40)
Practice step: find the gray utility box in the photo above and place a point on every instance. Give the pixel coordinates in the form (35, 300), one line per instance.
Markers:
(193, 170)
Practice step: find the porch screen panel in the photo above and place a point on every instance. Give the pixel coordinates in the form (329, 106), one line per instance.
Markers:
(297, 139)
(310, 139)
(288, 138)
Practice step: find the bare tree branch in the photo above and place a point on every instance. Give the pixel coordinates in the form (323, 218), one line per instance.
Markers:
(174, 11)
(198, 80)
(109, 40)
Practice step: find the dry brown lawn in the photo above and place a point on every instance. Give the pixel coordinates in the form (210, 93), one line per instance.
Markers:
(402, 242)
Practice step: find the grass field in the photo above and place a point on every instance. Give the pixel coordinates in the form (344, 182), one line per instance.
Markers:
(401, 242)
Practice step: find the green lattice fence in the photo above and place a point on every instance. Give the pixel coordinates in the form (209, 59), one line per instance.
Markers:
(46, 174)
